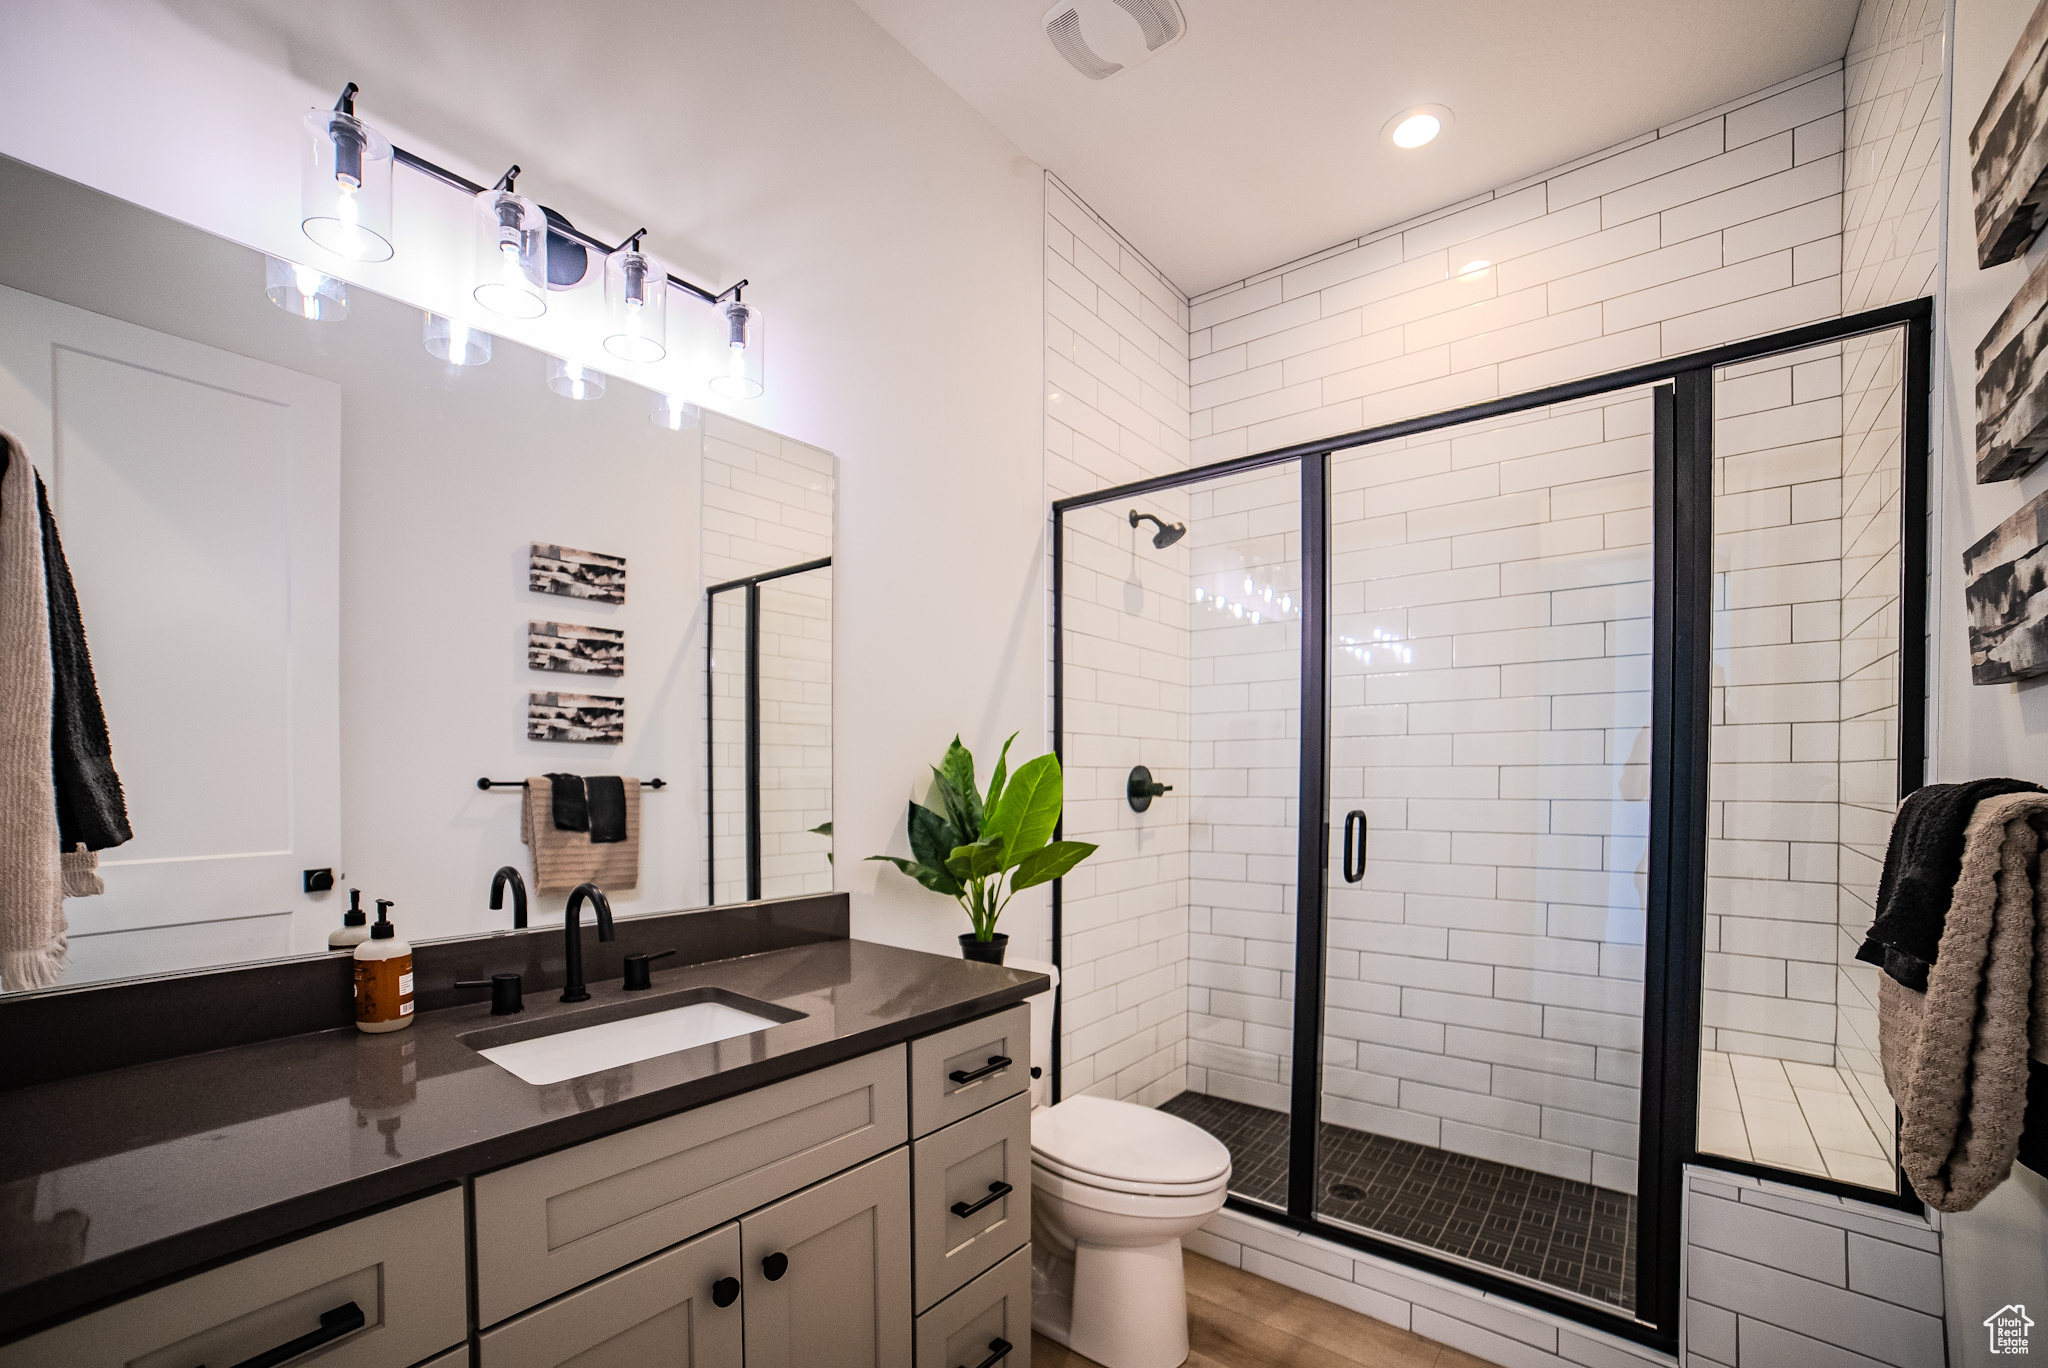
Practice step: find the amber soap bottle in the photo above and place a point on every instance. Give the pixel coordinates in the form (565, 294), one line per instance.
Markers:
(383, 976)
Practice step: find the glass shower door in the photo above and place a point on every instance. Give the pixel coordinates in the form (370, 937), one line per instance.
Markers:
(1491, 590)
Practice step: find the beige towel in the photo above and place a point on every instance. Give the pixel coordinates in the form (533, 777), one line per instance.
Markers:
(1955, 1057)
(31, 877)
(563, 859)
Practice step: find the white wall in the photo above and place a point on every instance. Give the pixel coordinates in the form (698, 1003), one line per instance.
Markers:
(1998, 1252)
(903, 286)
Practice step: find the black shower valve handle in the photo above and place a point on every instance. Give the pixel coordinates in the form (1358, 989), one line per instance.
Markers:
(1143, 788)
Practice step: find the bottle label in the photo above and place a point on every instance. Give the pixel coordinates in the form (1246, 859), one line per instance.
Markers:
(384, 988)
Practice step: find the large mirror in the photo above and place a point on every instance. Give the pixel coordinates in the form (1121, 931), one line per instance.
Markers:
(330, 581)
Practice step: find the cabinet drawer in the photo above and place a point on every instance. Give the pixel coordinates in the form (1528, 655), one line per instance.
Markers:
(557, 1222)
(403, 1269)
(971, 1327)
(965, 1167)
(660, 1313)
(938, 1099)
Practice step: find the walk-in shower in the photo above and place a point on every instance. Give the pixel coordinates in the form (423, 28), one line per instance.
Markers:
(1531, 766)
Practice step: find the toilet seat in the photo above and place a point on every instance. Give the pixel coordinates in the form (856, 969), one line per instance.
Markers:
(1150, 1206)
(1123, 1147)
(1140, 1187)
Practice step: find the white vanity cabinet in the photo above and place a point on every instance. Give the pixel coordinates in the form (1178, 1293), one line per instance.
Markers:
(396, 1276)
(828, 1272)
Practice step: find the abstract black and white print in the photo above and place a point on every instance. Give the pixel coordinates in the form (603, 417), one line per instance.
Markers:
(2005, 586)
(572, 648)
(577, 574)
(575, 717)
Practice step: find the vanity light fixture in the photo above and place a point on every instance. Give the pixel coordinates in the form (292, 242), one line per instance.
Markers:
(303, 291)
(453, 341)
(511, 251)
(741, 377)
(635, 303)
(673, 412)
(574, 381)
(1417, 127)
(345, 183)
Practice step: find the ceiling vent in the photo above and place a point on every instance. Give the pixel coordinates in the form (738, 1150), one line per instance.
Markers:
(1099, 38)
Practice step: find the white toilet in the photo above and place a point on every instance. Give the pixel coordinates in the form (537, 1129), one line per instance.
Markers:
(1113, 1188)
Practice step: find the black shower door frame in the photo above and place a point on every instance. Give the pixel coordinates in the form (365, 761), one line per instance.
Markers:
(1681, 658)
(750, 792)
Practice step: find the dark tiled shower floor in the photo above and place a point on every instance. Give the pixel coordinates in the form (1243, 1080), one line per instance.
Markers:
(1570, 1235)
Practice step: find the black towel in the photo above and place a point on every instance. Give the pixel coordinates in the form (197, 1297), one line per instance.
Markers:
(91, 810)
(607, 808)
(572, 809)
(2034, 1138)
(1921, 865)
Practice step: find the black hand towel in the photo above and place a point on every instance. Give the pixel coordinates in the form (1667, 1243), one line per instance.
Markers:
(572, 809)
(607, 808)
(1921, 865)
(91, 810)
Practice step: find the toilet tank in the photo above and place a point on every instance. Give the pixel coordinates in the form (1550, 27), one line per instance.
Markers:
(1041, 1029)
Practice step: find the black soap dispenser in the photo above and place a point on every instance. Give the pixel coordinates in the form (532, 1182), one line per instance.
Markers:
(354, 928)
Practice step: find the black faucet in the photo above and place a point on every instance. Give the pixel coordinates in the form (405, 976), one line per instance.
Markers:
(505, 875)
(572, 937)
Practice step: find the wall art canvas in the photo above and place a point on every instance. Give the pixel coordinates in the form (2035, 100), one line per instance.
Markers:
(2005, 587)
(572, 648)
(2012, 386)
(2009, 151)
(575, 717)
(577, 574)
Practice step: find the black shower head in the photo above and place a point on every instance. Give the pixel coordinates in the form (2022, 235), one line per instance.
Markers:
(1168, 533)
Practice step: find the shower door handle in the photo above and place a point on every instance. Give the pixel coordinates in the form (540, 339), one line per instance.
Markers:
(1354, 846)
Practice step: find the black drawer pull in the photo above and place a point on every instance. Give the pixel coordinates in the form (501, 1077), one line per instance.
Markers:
(342, 1320)
(1354, 846)
(995, 1063)
(998, 1349)
(996, 1193)
(774, 1266)
(725, 1291)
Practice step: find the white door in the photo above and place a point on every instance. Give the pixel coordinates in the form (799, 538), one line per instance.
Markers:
(197, 494)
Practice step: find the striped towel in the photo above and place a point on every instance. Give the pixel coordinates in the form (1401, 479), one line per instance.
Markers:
(563, 859)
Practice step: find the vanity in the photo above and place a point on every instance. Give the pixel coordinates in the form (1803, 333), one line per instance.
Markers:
(847, 1183)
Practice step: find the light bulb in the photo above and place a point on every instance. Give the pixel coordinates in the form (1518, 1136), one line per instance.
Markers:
(1417, 129)
(674, 412)
(303, 291)
(345, 186)
(572, 380)
(454, 341)
(511, 255)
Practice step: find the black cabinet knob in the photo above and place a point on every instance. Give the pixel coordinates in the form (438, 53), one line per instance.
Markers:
(774, 1266)
(726, 1291)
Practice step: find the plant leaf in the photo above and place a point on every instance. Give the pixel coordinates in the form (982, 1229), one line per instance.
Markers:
(995, 781)
(932, 837)
(1049, 863)
(958, 770)
(947, 797)
(937, 880)
(1031, 807)
(978, 860)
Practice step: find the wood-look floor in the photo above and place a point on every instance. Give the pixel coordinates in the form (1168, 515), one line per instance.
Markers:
(1236, 1320)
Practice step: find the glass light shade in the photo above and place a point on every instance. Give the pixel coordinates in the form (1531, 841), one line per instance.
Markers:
(303, 291)
(345, 186)
(635, 306)
(741, 376)
(674, 413)
(573, 381)
(511, 255)
(453, 341)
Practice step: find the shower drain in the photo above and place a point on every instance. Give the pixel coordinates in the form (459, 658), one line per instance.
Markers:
(1347, 1192)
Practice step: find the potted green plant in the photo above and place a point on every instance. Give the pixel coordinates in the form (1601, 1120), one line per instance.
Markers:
(969, 843)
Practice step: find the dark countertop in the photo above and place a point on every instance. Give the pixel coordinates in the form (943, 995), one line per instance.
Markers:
(114, 1181)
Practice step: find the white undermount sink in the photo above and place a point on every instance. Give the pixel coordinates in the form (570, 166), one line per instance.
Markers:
(590, 1049)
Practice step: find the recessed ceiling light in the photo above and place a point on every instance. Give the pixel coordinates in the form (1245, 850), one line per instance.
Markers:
(1417, 127)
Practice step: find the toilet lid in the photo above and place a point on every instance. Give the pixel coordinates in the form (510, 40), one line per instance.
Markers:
(1125, 1141)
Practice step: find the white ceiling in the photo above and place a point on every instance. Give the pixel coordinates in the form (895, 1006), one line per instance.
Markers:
(1256, 138)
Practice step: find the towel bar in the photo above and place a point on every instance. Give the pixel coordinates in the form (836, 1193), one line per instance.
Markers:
(489, 784)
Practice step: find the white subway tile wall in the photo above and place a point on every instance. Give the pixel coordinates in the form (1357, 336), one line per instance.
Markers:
(1778, 1277)
(768, 503)
(1116, 410)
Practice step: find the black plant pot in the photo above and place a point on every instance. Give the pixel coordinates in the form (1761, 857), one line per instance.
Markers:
(988, 951)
